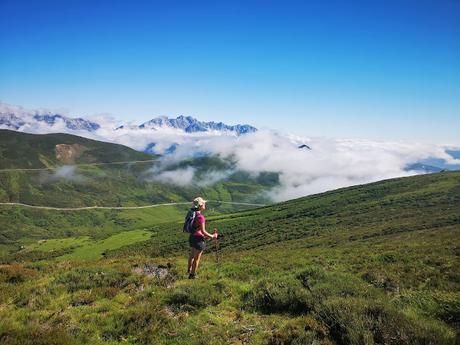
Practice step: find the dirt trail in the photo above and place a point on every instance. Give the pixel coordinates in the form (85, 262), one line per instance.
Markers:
(77, 165)
(119, 207)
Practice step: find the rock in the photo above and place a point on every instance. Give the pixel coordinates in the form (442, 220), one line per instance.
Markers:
(68, 153)
(153, 271)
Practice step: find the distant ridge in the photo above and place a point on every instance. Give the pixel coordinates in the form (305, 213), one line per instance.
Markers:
(425, 168)
(19, 119)
(190, 124)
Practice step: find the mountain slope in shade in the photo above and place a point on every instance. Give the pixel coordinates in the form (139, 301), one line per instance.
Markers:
(24, 150)
(423, 168)
(440, 163)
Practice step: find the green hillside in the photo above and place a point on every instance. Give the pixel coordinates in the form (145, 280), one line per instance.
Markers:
(371, 264)
(352, 214)
(23, 150)
(100, 185)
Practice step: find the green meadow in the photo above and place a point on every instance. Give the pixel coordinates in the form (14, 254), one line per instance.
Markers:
(370, 264)
(85, 248)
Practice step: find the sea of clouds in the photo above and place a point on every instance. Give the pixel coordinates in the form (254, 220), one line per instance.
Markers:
(330, 164)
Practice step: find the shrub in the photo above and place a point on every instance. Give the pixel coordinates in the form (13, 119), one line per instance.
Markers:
(444, 306)
(34, 297)
(16, 273)
(34, 334)
(311, 276)
(145, 324)
(387, 257)
(299, 332)
(279, 295)
(359, 321)
(380, 279)
(84, 297)
(195, 296)
(333, 284)
(91, 277)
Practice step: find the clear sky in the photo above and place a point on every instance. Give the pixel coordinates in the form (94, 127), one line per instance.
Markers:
(371, 69)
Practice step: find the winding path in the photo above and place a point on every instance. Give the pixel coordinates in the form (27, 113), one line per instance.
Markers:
(119, 207)
(105, 207)
(78, 165)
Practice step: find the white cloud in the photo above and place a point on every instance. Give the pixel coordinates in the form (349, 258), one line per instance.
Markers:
(212, 177)
(65, 172)
(180, 177)
(332, 163)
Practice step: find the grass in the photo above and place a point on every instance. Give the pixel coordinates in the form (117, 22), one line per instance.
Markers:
(93, 250)
(58, 243)
(85, 248)
(372, 264)
(103, 185)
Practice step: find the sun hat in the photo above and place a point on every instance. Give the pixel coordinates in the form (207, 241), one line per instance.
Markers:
(197, 202)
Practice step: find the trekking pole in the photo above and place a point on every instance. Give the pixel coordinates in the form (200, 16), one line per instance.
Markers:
(216, 246)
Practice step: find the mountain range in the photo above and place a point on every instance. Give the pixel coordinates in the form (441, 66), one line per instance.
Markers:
(19, 119)
(11, 120)
(164, 135)
(191, 125)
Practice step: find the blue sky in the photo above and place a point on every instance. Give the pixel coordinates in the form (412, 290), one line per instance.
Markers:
(354, 69)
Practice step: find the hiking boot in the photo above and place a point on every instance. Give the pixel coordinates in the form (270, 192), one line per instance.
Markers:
(192, 276)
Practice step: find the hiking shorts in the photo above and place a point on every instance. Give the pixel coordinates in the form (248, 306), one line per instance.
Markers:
(197, 242)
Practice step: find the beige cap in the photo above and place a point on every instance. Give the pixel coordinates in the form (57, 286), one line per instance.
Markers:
(198, 201)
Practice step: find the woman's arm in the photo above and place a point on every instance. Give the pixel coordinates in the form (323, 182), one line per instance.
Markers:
(207, 234)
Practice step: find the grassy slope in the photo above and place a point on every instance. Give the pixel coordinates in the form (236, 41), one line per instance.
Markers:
(373, 264)
(111, 185)
(23, 150)
(351, 214)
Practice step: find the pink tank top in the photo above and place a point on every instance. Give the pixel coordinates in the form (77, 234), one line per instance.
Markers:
(199, 219)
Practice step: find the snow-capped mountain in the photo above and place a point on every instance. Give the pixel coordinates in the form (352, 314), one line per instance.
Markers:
(191, 125)
(11, 121)
(70, 123)
(17, 118)
(160, 135)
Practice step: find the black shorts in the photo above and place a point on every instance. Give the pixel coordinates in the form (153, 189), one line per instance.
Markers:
(197, 242)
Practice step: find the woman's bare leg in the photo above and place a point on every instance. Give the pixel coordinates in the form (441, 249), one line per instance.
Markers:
(196, 260)
(190, 260)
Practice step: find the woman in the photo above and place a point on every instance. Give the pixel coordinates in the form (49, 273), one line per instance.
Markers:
(197, 237)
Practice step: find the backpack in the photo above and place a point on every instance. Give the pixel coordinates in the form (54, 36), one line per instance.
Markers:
(189, 221)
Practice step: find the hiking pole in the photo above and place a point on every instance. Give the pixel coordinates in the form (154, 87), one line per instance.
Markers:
(216, 246)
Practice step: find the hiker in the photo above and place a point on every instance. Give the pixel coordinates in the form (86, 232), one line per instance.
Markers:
(197, 237)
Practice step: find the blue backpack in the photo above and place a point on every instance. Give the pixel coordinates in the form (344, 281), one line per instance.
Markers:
(189, 221)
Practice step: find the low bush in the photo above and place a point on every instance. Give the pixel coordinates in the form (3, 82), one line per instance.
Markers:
(145, 324)
(84, 297)
(279, 295)
(327, 284)
(380, 279)
(33, 334)
(91, 277)
(360, 321)
(33, 297)
(16, 273)
(299, 332)
(195, 296)
(311, 276)
(443, 306)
